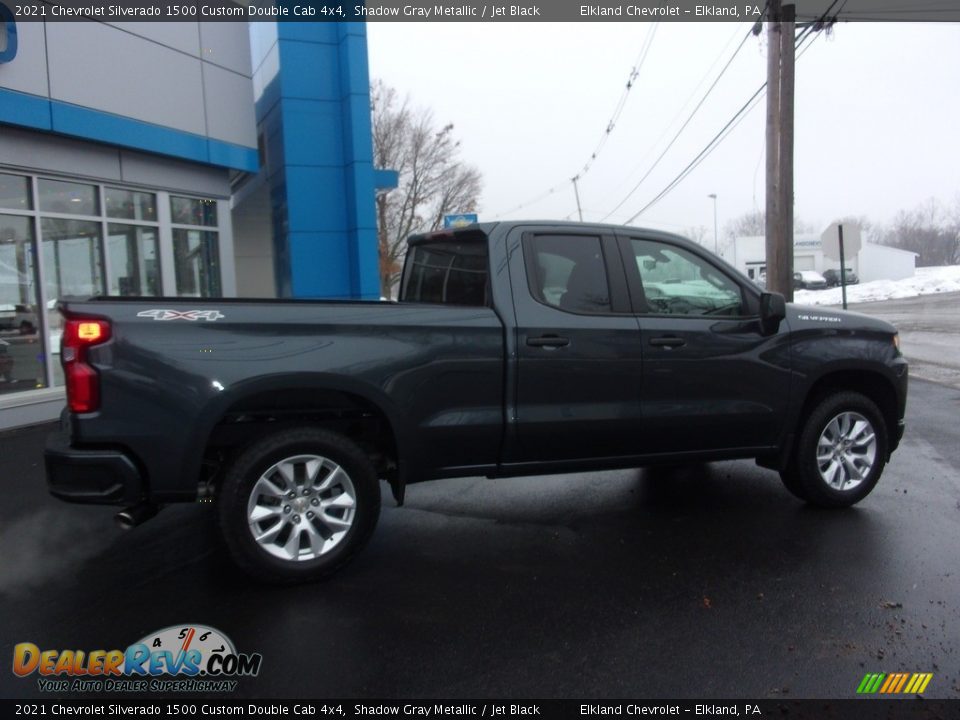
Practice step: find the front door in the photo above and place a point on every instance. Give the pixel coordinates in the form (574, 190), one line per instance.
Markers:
(711, 379)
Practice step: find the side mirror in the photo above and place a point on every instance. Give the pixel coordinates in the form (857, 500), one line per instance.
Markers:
(773, 309)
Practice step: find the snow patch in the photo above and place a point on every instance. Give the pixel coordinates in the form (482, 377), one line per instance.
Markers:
(926, 281)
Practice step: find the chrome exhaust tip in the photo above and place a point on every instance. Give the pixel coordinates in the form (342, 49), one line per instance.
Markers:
(136, 515)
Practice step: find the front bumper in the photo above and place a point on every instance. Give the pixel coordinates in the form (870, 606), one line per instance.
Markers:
(92, 476)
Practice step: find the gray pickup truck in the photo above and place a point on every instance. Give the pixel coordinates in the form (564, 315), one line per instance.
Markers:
(515, 349)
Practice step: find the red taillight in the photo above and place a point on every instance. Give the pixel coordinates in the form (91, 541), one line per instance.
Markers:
(83, 381)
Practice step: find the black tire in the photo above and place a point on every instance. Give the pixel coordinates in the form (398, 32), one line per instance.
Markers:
(290, 447)
(27, 328)
(804, 479)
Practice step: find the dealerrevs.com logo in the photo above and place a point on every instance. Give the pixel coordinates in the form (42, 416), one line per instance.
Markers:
(179, 658)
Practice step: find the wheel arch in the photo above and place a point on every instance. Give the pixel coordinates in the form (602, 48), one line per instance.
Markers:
(871, 383)
(248, 409)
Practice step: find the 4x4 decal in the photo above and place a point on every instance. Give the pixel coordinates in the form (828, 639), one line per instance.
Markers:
(193, 315)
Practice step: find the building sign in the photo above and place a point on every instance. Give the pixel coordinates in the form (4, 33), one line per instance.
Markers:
(8, 35)
(461, 220)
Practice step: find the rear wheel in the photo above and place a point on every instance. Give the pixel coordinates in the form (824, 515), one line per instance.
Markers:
(298, 505)
(840, 453)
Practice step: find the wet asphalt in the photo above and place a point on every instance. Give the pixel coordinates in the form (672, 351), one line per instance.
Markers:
(705, 582)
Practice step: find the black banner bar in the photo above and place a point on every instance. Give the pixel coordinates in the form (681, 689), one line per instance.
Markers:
(475, 11)
(178, 706)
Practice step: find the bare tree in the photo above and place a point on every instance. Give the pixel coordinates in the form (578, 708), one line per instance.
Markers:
(433, 180)
(930, 230)
(697, 233)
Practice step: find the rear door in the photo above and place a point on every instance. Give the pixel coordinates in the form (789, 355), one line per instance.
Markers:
(578, 347)
(711, 379)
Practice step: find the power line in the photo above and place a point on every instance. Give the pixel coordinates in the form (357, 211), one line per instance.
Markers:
(611, 123)
(718, 138)
(682, 127)
(686, 103)
(631, 80)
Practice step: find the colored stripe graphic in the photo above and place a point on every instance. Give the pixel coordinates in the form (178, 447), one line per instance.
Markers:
(894, 683)
(903, 680)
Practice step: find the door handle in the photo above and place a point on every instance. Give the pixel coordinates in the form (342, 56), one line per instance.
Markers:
(548, 341)
(668, 341)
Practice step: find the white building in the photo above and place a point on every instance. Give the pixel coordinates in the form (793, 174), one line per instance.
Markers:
(873, 262)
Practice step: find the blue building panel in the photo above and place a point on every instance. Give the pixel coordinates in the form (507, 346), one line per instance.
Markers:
(315, 127)
(317, 263)
(308, 70)
(324, 222)
(22, 109)
(316, 199)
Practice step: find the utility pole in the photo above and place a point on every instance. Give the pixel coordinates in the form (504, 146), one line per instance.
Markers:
(716, 241)
(576, 192)
(781, 57)
(788, 56)
(775, 281)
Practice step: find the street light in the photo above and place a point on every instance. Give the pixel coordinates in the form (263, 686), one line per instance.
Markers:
(716, 243)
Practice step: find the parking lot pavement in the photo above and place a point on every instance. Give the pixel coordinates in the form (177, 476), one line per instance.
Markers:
(709, 581)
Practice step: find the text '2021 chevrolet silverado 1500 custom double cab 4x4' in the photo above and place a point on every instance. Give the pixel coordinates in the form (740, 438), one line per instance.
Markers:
(515, 349)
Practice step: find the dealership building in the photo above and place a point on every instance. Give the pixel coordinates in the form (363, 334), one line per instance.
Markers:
(192, 159)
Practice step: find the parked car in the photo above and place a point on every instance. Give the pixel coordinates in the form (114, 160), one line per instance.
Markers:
(18, 317)
(8, 314)
(516, 348)
(809, 280)
(832, 276)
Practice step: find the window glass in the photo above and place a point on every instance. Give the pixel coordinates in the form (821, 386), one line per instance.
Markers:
(15, 192)
(677, 282)
(568, 273)
(134, 260)
(196, 263)
(130, 205)
(448, 272)
(67, 197)
(71, 257)
(192, 211)
(21, 361)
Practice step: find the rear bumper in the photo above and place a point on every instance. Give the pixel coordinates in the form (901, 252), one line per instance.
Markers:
(92, 476)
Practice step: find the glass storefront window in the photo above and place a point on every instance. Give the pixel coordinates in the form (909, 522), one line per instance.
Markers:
(196, 256)
(15, 192)
(134, 260)
(67, 197)
(71, 257)
(192, 211)
(21, 350)
(130, 205)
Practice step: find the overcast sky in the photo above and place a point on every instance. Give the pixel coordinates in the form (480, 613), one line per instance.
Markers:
(877, 112)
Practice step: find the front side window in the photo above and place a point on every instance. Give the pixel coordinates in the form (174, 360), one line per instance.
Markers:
(568, 272)
(678, 282)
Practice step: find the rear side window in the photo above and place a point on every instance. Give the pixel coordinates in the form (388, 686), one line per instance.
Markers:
(567, 272)
(447, 273)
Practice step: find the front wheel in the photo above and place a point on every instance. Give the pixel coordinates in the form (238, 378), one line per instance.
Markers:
(298, 505)
(840, 453)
